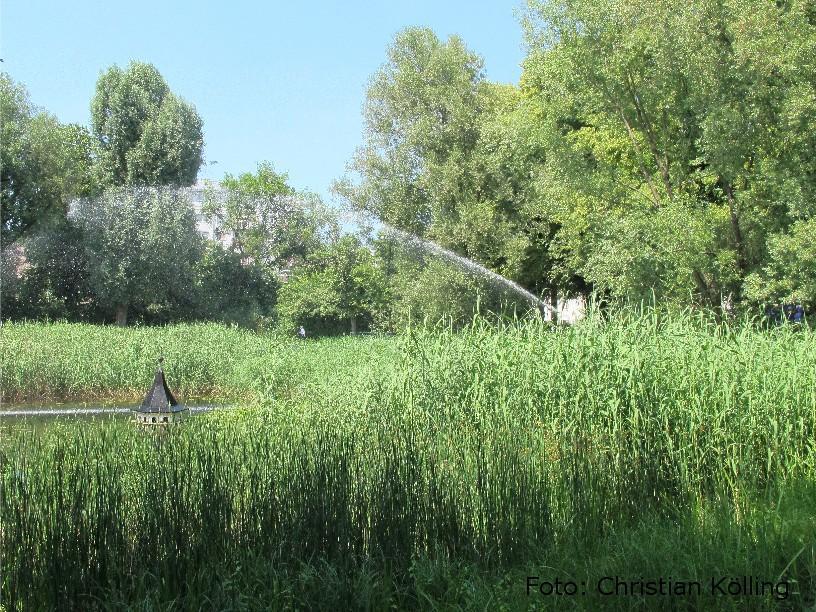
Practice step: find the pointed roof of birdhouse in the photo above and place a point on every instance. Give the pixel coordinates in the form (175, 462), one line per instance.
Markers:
(159, 398)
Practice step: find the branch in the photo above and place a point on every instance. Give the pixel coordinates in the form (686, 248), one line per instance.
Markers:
(662, 164)
(631, 133)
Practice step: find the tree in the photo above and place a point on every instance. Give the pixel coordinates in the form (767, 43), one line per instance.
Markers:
(229, 290)
(43, 164)
(146, 134)
(420, 112)
(435, 291)
(268, 220)
(424, 286)
(356, 280)
(789, 276)
(443, 158)
(51, 279)
(309, 299)
(674, 137)
(142, 246)
(340, 285)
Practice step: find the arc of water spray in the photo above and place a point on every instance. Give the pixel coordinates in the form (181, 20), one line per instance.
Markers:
(286, 205)
(366, 219)
(466, 263)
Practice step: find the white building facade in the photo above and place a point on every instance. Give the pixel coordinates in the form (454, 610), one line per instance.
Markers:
(208, 225)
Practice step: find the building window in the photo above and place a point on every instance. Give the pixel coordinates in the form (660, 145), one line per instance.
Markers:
(165, 419)
(153, 420)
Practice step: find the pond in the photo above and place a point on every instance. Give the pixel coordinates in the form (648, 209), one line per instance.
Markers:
(34, 416)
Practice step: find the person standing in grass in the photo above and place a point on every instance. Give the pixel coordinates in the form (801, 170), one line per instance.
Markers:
(301, 332)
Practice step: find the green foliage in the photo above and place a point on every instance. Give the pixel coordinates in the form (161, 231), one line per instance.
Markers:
(228, 290)
(788, 277)
(263, 183)
(308, 299)
(49, 277)
(146, 134)
(60, 273)
(269, 222)
(423, 286)
(650, 151)
(141, 246)
(339, 287)
(43, 164)
(674, 137)
(450, 156)
(420, 108)
(436, 291)
(437, 468)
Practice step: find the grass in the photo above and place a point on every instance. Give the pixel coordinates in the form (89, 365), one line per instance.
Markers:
(437, 470)
(59, 362)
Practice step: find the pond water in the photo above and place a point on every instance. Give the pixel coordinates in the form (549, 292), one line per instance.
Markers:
(39, 416)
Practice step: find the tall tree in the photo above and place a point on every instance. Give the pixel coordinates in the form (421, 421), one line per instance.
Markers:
(43, 164)
(420, 113)
(146, 134)
(443, 158)
(672, 135)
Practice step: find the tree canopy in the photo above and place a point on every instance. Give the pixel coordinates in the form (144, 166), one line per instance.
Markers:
(141, 245)
(339, 287)
(146, 134)
(268, 220)
(676, 138)
(649, 151)
(43, 164)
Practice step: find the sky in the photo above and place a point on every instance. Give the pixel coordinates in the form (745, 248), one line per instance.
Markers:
(277, 81)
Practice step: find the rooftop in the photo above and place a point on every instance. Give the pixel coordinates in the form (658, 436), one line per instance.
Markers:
(159, 398)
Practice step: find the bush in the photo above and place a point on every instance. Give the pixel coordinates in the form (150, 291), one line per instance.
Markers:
(231, 291)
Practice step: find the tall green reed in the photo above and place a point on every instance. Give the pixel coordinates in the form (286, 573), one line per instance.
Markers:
(492, 448)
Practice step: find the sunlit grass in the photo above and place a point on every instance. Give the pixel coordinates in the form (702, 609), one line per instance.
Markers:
(78, 362)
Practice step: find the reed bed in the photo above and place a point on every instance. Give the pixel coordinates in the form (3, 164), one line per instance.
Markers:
(57, 362)
(440, 476)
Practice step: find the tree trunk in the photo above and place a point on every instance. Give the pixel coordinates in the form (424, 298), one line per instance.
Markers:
(554, 304)
(353, 325)
(121, 315)
(742, 262)
(643, 172)
(703, 287)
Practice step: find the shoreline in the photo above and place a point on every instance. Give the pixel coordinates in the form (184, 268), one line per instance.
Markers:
(99, 410)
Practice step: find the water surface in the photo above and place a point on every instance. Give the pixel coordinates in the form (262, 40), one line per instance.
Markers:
(37, 416)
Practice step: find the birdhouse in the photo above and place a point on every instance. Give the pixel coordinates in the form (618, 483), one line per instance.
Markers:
(160, 407)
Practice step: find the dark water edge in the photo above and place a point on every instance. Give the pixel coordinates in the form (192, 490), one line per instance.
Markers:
(102, 404)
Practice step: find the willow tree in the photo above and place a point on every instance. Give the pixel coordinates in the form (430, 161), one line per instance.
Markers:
(141, 245)
(445, 158)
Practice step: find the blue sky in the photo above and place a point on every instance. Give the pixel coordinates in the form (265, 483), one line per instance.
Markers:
(283, 82)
